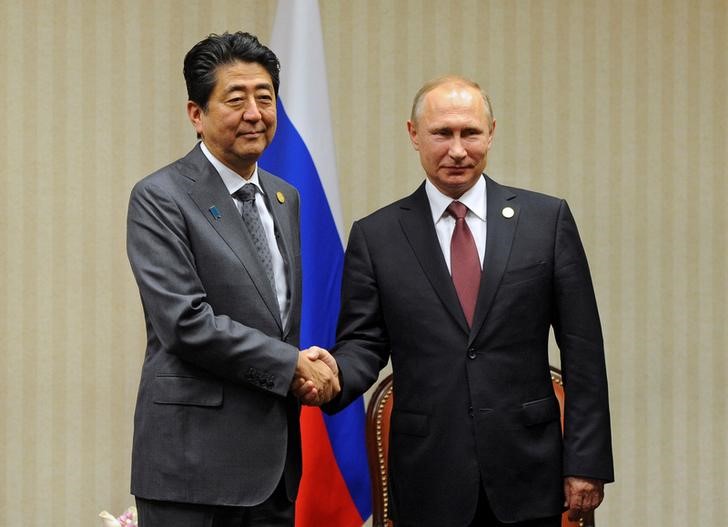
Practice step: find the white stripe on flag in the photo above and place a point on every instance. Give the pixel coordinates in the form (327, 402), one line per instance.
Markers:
(298, 42)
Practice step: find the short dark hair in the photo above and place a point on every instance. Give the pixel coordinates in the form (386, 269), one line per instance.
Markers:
(202, 61)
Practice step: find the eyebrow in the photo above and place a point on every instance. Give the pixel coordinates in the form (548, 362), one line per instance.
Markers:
(241, 87)
(450, 129)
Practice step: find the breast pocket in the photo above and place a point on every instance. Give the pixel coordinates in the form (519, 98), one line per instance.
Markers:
(524, 274)
(193, 391)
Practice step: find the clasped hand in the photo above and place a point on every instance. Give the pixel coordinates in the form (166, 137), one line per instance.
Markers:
(317, 377)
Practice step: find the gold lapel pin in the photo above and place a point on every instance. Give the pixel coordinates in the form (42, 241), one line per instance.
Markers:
(281, 197)
(508, 212)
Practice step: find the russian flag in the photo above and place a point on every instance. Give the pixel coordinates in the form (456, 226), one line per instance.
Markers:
(335, 488)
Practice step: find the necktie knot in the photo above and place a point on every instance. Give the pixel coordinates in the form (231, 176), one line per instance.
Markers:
(457, 210)
(246, 193)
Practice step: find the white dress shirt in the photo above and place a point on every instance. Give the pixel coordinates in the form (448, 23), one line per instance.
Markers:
(475, 200)
(234, 182)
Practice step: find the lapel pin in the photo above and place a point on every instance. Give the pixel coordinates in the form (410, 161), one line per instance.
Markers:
(281, 197)
(508, 212)
(215, 213)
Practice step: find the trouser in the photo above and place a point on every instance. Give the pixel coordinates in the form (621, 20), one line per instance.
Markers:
(276, 511)
(484, 517)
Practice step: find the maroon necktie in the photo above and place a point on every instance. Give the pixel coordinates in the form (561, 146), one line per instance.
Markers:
(464, 261)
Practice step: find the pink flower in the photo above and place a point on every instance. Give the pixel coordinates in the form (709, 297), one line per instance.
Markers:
(127, 519)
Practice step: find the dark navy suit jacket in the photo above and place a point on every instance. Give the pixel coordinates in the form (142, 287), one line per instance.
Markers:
(476, 404)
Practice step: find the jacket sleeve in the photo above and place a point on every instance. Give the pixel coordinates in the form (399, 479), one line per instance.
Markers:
(587, 432)
(362, 343)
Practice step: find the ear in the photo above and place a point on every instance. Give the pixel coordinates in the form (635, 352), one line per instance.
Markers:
(412, 129)
(492, 134)
(194, 112)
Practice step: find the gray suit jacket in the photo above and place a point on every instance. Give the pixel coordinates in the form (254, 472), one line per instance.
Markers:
(214, 421)
(476, 405)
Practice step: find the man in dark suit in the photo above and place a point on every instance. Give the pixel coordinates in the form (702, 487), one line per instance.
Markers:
(459, 284)
(214, 245)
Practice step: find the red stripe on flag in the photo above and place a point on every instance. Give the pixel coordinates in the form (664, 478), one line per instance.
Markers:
(323, 497)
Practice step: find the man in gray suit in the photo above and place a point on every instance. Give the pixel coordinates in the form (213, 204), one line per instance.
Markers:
(213, 241)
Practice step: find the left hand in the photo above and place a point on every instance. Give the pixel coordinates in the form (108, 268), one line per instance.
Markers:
(582, 495)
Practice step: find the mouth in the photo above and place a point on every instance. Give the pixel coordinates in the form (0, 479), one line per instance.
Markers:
(457, 169)
(251, 134)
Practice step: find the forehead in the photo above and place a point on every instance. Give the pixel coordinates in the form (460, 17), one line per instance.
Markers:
(454, 100)
(242, 75)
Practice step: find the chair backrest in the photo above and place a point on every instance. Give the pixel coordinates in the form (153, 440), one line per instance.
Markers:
(379, 412)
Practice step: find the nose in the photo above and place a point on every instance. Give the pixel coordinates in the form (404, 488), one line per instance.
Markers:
(457, 152)
(251, 112)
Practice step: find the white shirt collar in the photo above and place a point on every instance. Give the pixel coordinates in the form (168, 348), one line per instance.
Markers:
(233, 181)
(474, 199)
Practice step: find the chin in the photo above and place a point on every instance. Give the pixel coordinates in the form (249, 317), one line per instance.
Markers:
(251, 151)
(460, 181)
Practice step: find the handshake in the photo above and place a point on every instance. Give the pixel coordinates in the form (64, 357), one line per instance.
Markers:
(316, 380)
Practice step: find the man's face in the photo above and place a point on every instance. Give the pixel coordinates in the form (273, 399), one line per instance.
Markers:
(452, 134)
(240, 120)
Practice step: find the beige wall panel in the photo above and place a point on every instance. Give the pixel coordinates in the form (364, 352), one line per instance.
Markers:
(620, 107)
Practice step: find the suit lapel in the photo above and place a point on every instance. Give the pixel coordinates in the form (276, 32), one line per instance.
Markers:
(416, 221)
(281, 212)
(498, 248)
(215, 204)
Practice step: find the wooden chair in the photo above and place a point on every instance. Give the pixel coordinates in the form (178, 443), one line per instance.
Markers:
(379, 413)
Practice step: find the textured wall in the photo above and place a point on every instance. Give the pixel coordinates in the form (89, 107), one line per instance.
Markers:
(618, 106)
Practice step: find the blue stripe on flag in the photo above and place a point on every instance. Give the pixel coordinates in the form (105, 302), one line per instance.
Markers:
(321, 253)
(322, 257)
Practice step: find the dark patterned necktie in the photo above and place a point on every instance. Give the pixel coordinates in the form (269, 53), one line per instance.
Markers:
(252, 221)
(464, 261)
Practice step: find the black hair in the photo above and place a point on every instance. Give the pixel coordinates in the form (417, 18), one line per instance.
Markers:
(202, 61)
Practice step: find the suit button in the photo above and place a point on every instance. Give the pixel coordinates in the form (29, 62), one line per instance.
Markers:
(470, 411)
(471, 353)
